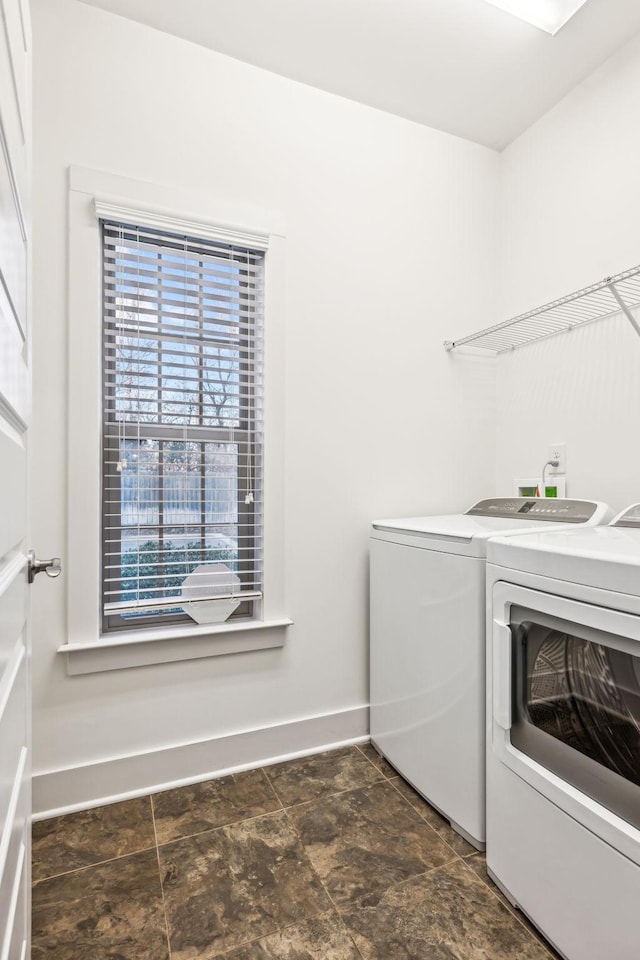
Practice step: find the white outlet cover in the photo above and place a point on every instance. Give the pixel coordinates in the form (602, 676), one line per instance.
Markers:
(558, 451)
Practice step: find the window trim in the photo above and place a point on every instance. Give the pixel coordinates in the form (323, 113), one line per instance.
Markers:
(90, 194)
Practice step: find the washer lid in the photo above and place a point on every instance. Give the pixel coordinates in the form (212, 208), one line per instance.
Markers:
(607, 557)
(467, 534)
(500, 515)
(457, 526)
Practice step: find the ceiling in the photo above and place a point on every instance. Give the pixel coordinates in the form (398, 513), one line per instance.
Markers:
(461, 66)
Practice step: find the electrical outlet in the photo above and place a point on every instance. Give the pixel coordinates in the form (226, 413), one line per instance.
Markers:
(558, 451)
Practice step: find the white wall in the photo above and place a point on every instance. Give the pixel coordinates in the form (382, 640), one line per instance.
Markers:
(391, 249)
(570, 196)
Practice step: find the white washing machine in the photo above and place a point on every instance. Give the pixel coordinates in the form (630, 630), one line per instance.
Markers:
(427, 649)
(563, 734)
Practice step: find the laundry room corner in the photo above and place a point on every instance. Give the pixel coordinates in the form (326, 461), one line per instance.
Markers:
(567, 187)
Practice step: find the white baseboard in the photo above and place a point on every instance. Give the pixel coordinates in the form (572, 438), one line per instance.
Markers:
(57, 792)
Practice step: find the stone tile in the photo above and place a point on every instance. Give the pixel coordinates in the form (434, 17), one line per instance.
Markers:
(297, 781)
(91, 836)
(447, 914)
(366, 840)
(434, 819)
(372, 754)
(478, 864)
(323, 938)
(239, 883)
(216, 803)
(112, 911)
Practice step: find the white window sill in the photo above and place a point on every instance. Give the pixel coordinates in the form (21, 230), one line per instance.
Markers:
(169, 644)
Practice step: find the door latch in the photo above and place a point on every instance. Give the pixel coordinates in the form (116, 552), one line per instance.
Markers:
(52, 568)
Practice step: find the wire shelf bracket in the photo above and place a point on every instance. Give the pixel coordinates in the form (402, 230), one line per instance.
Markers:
(611, 296)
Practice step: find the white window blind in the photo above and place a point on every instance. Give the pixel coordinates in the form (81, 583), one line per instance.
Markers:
(182, 428)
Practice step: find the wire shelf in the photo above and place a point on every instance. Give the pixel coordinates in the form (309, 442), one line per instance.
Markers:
(613, 295)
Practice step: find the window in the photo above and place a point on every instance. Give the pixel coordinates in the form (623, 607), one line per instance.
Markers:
(182, 433)
(176, 309)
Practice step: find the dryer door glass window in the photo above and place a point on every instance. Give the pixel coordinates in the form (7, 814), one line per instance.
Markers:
(576, 696)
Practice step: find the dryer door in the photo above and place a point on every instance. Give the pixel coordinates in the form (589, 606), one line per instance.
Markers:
(566, 702)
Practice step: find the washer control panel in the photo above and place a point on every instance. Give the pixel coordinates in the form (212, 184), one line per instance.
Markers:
(556, 509)
(628, 518)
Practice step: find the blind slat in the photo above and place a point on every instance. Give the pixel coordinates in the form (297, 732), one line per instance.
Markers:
(143, 238)
(152, 339)
(178, 602)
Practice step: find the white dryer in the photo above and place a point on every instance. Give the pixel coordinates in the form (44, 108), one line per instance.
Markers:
(563, 724)
(427, 649)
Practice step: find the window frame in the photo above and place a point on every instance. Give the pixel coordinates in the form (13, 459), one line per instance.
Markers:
(114, 430)
(92, 195)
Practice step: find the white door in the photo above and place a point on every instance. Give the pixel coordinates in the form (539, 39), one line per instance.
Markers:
(15, 192)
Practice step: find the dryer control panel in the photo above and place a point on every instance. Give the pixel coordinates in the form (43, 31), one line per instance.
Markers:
(554, 509)
(628, 518)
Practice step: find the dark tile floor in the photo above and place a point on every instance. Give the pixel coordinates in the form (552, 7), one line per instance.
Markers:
(331, 857)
